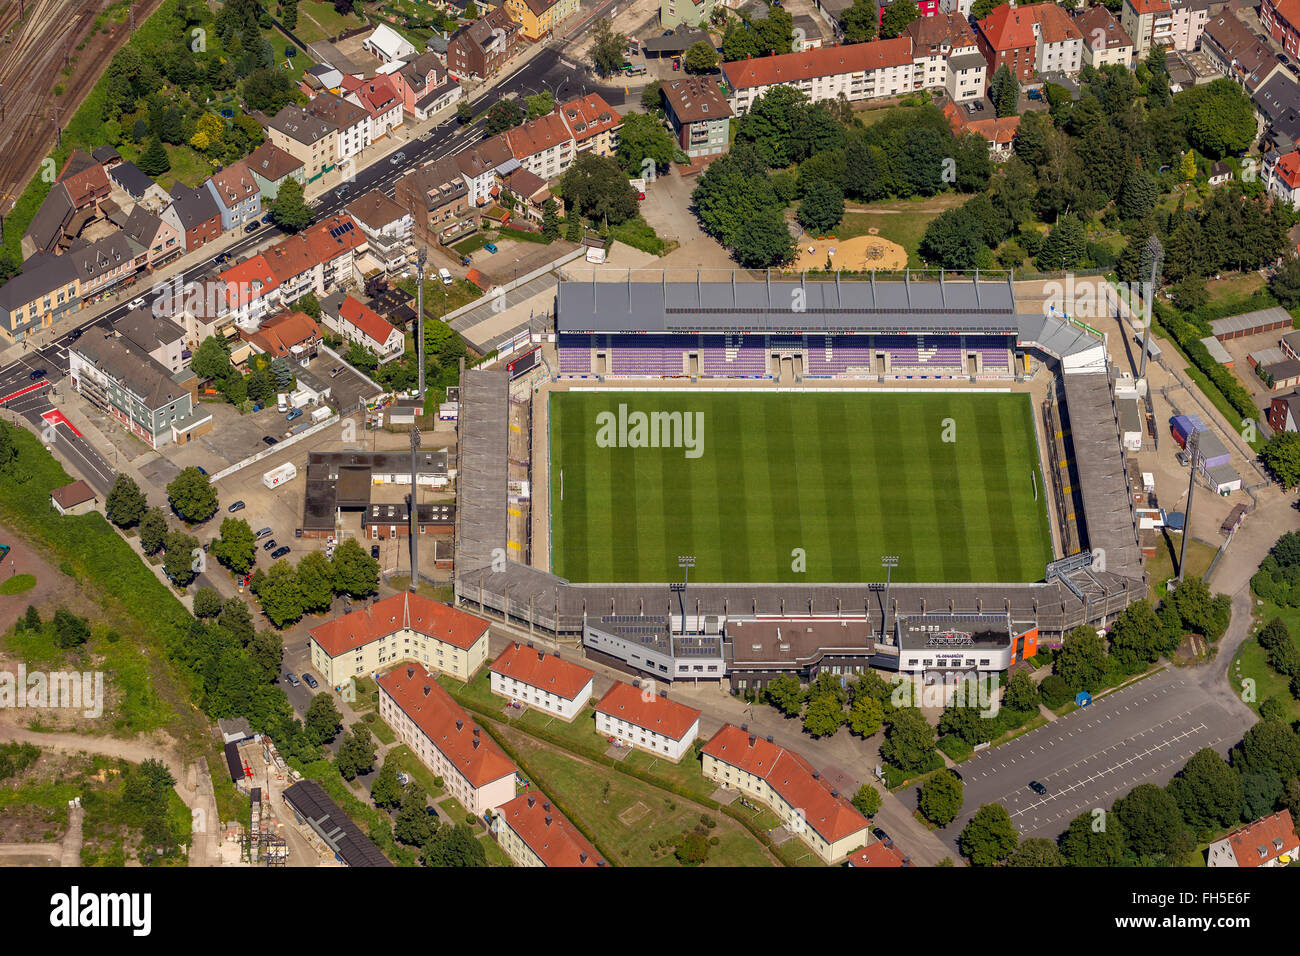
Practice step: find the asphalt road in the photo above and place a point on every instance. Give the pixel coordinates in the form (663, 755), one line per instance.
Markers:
(1090, 757)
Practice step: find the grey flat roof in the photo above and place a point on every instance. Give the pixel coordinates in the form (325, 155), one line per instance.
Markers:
(1251, 320)
(1221, 474)
(784, 304)
(1216, 350)
(309, 799)
(483, 493)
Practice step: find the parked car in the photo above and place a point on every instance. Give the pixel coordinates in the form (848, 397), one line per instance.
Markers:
(270, 440)
(293, 413)
(490, 247)
(396, 158)
(235, 506)
(269, 545)
(374, 551)
(445, 276)
(266, 220)
(37, 374)
(280, 552)
(979, 106)
(75, 334)
(882, 836)
(1037, 787)
(465, 260)
(202, 471)
(222, 259)
(253, 226)
(136, 304)
(310, 681)
(293, 681)
(335, 370)
(264, 533)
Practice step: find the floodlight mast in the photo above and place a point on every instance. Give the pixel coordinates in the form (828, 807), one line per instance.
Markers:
(888, 562)
(685, 562)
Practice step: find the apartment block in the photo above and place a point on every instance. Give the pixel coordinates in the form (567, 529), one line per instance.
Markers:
(638, 716)
(530, 676)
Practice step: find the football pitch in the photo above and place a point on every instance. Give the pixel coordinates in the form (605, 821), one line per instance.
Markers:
(769, 487)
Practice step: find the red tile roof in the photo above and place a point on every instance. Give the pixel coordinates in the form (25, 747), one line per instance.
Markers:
(791, 776)
(1012, 28)
(248, 280)
(448, 727)
(1288, 10)
(393, 614)
(1288, 169)
(547, 831)
(537, 135)
(656, 714)
(1143, 7)
(322, 243)
(280, 333)
(1273, 836)
(544, 671)
(592, 114)
(825, 61)
(378, 95)
(370, 322)
(234, 184)
(876, 855)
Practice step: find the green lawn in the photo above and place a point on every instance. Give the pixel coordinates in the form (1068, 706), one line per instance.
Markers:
(1251, 662)
(949, 482)
(1165, 564)
(901, 221)
(18, 584)
(319, 21)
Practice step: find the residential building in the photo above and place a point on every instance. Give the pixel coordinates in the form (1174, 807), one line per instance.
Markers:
(364, 326)
(537, 19)
(1270, 841)
(76, 498)
(482, 167)
(319, 259)
(675, 13)
(1281, 20)
(530, 193)
(1028, 40)
(1190, 18)
(998, 133)
(1149, 22)
(1220, 173)
(1282, 177)
(425, 87)
(859, 71)
(84, 179)
(43, 293)
(388, 45)
(880, 854)
(699, 115)
(1277, 109)
(637, 716)
(146, 399)
(288, 335)
(271, 167)
(319, 79)
(237, 195)
(251, 291)
(946, 56)
(1284, 412)
(477, 51)
(351, 123)
(194, 214)
(445, 738)
(106, 156)
(593, 124)
(159, 338)
(202, 309)
(785, 782)
(105, 264)
(1237, 53)
(543, 146)
(51, 229)
(380, 98)
(387, 226)
(534, 833)
(1105, 41)
(158, 237)
(436, 196)
(533, 678)
(404, 627)
(143, 190)
(307, 137)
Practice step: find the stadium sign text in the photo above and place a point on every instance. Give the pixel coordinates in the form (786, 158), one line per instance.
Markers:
(651, 430)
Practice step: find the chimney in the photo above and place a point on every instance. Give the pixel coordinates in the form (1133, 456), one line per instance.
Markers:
(541, 655)
(636, 683)
(426, 690)
(600, 862)
(410, 672)
(548, 821)
(582, 858)
(770, 740)
(531, 799)
(744, 726)
(752, 739)
(663, 694)
(835, 793)
(817, 774)
(547, 806)
(460, 724)
(476, 731)
(476, 743)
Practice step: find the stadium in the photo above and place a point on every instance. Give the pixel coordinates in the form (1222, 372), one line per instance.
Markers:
(850, 472)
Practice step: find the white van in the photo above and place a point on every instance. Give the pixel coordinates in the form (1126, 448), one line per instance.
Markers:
(445, 276)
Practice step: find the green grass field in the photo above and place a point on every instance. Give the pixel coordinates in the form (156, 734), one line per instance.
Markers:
(845, 476)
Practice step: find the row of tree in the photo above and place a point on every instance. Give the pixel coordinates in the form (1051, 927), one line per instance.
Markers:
(287, 592)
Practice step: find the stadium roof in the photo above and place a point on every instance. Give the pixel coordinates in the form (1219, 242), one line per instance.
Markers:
(481, 508)
(786, 305)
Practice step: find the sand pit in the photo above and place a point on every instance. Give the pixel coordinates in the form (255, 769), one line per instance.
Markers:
(860, 253)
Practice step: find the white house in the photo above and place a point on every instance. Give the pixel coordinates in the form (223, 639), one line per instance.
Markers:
(445, 738)
(351, 122)
(387, 44)
(534, 833)
(643, 718)
(360, 324)
(1271, 841)
(531, 676)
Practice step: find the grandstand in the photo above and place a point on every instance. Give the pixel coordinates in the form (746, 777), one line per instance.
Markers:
(798, 330)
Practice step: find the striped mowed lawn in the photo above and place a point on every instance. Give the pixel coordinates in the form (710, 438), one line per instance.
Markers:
(949, 482)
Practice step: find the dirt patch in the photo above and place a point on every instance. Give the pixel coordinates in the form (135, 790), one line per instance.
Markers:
(632, 814)
(860, 253)
(21, 559)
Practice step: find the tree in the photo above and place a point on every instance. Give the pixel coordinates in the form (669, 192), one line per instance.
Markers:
(1135, 637)
(1281, 456)
(1153, 823)
(315, 582)
(211, 360)
(1004, 91)
(692, 849)
(234, 617)
(940, 798)
(153, 529)
(596, 188)
(154, 161)
(192, 496)
(1219, 118)
(464, 112)
(182, 554)
(471, 11)
(1285, 283)
(1093, 840)
(700, 58)
(386, 792)
(550, 219)
(785, 694)
(1021, 694)
(652, 98)
(125, 505)
(69, 630)
(207, 602)
(1081, 661)
(607, 48)
(1268, 745)
(32, 619)
(1065, 245)
(322, 722)
(1260, 793)
(990, 837)
(909, 740)
(356, 753)
(766, 243)
(413, 825)
(1199, 611)
(643, 137)
(824, 716)
(355, 572)
(954, 239)
(822, 207)
(1187, 167)
(1138, 194)
(859, 22)
(454, 846)
(267, 650)
(1036, 851)
(867, 800)
(280, 594)
(288, 209)
(896, 18)
(236, 548)
(1207, 791)
(866, 715)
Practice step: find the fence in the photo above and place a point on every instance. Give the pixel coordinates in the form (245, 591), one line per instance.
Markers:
(277, 447)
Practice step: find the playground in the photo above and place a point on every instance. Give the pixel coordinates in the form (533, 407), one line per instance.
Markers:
(856, 254)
